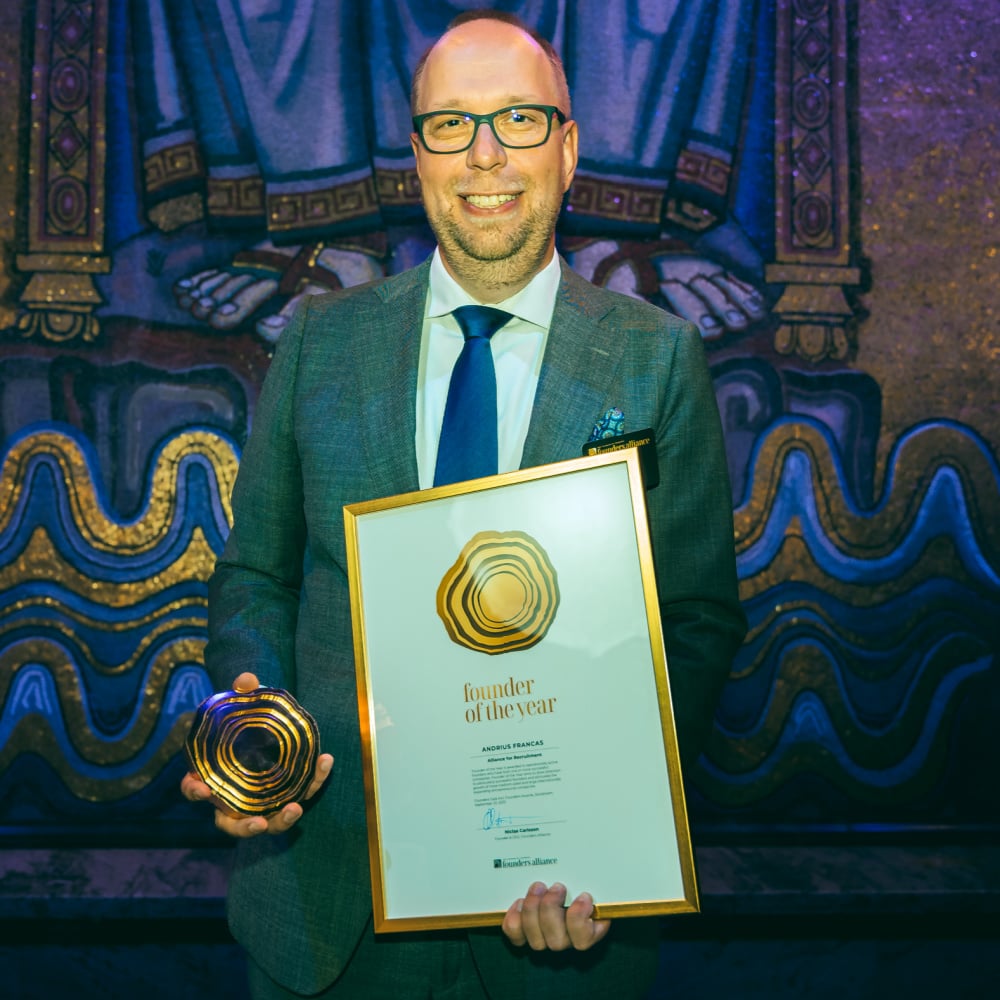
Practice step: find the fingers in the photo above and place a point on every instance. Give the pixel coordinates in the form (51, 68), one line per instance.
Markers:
(239, 825)
(584, 932)
(542, 921)
(525, 920)
(550, 929)
(194, 789)
(324, 765)
(512, 924)
(245, 683)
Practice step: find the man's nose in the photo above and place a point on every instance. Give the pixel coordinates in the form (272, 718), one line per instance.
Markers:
(486, 151)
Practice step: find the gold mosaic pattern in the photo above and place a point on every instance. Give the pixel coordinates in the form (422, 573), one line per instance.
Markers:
(102, 625)
(870, 534)
(870, 627)
(100, 529)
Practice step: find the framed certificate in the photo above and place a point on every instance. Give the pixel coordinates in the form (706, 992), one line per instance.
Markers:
(514, 702)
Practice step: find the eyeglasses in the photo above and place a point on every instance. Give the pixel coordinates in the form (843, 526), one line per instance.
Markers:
(520, 127)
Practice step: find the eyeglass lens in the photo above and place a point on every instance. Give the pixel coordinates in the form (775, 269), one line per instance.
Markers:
(516, 127)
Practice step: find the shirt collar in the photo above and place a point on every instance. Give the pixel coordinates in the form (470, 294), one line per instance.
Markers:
(534, 303)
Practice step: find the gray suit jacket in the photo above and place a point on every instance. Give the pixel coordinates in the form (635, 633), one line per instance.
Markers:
(335, 425)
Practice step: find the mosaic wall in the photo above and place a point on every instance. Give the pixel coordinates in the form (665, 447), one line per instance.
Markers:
(821, 203)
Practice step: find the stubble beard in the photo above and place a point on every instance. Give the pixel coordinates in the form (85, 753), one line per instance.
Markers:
(487, 257)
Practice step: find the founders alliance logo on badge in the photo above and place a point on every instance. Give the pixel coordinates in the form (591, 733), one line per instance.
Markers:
(500, 595)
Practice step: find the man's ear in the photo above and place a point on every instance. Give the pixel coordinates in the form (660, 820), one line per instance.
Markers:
(415, 146)
(570, 153)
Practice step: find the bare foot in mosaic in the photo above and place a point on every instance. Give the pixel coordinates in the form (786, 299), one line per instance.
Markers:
(708, 295)
(694, 287)
(225, 298)
(222, 298)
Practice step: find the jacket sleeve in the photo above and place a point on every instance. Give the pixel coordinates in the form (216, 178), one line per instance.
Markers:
(253, 601)
(691, 524)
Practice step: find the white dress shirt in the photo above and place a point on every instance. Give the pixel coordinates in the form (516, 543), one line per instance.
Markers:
(517, 357)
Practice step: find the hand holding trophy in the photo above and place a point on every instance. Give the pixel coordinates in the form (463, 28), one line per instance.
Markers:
(254, 753)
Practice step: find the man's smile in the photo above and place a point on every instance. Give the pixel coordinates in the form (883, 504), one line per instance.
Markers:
(488, 200)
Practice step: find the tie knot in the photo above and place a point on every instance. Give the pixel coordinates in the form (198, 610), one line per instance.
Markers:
(480, 321)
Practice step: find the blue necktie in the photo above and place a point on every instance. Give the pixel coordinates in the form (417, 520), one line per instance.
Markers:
(468, 445)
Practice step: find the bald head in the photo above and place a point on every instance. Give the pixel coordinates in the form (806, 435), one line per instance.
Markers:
(503, 30)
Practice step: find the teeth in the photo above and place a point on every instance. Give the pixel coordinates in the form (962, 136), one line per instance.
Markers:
(489, 200)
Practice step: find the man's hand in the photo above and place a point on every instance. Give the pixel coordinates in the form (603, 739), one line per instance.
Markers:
(236, 824)
(542, 921)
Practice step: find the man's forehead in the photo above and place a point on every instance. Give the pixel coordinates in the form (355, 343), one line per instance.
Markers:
(495, 34)
(485, 65)
(476, 45)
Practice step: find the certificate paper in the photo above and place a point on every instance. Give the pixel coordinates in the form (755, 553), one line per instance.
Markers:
(515, 709)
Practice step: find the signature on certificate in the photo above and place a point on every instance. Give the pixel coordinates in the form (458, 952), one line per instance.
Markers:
(493, 818)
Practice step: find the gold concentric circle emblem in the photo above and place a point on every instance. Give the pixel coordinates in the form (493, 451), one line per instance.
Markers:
(257, 750)
(501, 594)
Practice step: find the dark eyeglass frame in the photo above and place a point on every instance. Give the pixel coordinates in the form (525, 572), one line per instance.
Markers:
(551, 111)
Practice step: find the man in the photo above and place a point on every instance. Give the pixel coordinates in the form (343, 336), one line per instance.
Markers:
(352, 409)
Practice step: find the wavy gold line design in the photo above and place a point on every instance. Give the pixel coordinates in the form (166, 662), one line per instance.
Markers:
(35, 735)
(813, 759)
(807, 668)
(874, 533)
(57, 607)
(817, 761)
(893, 634)
(41, 561)
(91, 747)
(794, 562)
(99, 530)
(149, 639)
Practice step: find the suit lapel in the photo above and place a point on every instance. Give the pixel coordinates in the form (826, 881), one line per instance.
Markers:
(578, 367)
(389, 355)
(580, 362)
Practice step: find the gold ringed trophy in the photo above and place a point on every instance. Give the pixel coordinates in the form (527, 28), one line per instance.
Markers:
(256, 750)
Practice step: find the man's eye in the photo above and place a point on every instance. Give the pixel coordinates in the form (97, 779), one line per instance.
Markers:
(453, 124)
(523, 117)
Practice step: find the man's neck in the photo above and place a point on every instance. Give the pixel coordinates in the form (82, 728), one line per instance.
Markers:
(493, 281)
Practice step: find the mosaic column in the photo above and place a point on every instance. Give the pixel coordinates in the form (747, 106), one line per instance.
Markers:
(814, 257)
(63, 232)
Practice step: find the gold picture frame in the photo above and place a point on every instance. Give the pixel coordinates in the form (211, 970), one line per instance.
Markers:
(516, 721)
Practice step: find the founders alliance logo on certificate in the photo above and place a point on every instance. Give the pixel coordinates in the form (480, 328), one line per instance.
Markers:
(500, 595)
